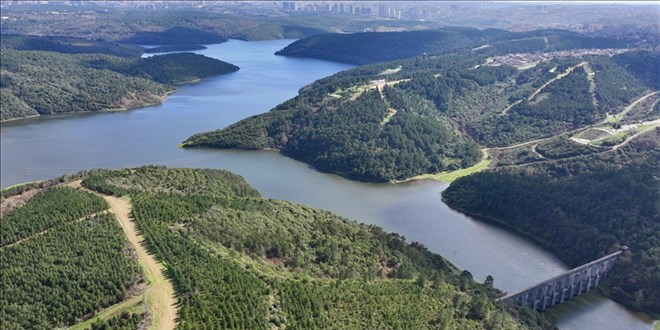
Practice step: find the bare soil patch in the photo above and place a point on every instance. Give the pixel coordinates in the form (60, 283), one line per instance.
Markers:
(9, 203)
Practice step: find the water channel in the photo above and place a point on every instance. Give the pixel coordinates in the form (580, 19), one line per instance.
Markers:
(48, 147)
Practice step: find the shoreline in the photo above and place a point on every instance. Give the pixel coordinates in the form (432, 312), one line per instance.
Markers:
(21, 184)
(603, 291)
(162, 98)
(19, 118)
(444, 176)
(451, 176)
(109, 110)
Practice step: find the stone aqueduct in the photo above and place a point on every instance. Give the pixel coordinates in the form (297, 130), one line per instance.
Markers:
(565, 286)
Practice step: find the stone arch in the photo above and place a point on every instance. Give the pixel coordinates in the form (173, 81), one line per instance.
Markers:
(576, 278)
(559, 285)
(529, 298)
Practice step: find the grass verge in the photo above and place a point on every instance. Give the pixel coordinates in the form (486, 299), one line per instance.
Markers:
(20, 184)
(451, 176)
(134, 305)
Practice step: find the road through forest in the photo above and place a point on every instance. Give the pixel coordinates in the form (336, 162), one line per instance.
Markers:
(160, 293)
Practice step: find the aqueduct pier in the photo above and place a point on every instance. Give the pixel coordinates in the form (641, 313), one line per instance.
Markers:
(565, 286)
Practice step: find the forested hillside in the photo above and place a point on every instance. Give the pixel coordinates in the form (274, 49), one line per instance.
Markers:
(63, 258)
(39, 82)
(68, 45)
(236, 260)
(192, 26)
(240, 261)
(369, 47)
(165, 69)
(396, 120)
(175, 36)
(583, 208)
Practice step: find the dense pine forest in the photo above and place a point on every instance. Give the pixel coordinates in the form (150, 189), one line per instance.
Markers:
(63, 259)
(236, 260)
(68, 45)
(582, 208)
(59, 75)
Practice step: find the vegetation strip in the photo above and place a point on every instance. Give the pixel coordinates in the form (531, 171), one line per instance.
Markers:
(111, 312)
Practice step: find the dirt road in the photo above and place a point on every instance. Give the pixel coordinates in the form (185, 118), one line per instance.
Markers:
(160, 293)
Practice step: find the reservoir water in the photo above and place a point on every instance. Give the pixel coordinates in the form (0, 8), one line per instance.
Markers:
(43, 148)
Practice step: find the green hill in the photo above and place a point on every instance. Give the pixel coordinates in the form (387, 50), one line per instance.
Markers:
(236, 260)
(68, 45)
(372, 47)
(175, 36)
(165, 69)
(174, 48)
(39, 82)
(400, 119)
(582, 208)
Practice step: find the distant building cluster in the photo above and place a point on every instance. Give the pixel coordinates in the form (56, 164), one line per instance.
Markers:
(527, 58)
(350, 8)
(598, 17)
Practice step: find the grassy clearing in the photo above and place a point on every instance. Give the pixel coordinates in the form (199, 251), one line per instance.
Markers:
(134, 305)
(481, 47)
(20, 184)
(451, 176)
(390, 114)
(390, 71)
(593, 134)
(613, 139)
(647, 125)
(337, 94)
(527, 66)
(611, 119)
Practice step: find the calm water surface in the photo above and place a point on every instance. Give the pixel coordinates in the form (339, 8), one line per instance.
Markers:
(44, 148)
